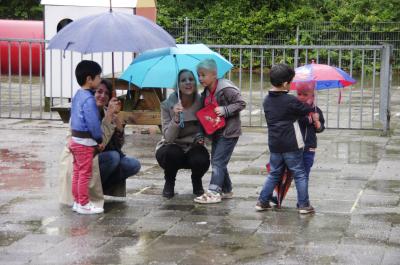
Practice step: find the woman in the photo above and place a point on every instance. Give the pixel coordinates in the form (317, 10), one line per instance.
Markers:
(114, 165)
(182, 146)
(112, 132)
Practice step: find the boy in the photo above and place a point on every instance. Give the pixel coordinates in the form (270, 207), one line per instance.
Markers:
(284, 138)
(310, 125)
(86, 134)
(230, 103)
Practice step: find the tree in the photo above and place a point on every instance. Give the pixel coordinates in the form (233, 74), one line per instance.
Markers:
(21, 9)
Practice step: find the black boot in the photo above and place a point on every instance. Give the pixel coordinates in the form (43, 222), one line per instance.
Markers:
(168, 191)
(197, 186)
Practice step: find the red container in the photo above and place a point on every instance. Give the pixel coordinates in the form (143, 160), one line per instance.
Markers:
(21, 29)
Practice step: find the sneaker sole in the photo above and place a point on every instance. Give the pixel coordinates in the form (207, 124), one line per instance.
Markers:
(206, 202)
(260, 209)
(306, 212)
(84, 212)
(226, 196)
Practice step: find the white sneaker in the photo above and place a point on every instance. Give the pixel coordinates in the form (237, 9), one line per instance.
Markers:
(208, 197)
(75, 206)
(89, 208)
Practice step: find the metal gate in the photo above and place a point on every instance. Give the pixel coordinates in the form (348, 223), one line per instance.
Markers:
(362, 106)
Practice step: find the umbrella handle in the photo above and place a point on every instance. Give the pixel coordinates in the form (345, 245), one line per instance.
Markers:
(181, 120)
(128, 94)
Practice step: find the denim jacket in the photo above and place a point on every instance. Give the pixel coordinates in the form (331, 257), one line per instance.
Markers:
(85, 116)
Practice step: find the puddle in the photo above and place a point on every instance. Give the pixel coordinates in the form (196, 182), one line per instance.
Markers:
(20, 171)
(355, 152)
(177, 207)
(9, 237)
(384, 185)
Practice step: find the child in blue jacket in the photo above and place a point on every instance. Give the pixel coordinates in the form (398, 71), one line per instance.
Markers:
(86, 134)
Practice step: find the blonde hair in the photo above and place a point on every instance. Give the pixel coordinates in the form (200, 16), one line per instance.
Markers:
(207, 64)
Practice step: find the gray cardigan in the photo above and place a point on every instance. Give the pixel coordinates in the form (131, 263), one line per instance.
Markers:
(172, 133)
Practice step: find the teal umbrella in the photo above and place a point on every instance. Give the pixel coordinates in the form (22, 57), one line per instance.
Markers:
(159, 68)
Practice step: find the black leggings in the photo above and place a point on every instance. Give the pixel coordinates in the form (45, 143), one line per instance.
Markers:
(171, 158)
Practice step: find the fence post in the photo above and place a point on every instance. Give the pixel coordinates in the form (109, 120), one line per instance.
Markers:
(296, 51)
(186, 29)
(385, 83)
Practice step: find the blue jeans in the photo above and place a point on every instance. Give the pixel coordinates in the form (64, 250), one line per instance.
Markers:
(115, 167)
(221, 152)
(294, 161)
(308, 159)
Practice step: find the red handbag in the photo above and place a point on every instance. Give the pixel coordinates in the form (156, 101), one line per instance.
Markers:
(209, 120)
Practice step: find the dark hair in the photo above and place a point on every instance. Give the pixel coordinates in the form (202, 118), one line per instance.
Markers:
(281, 73)
(107, 83)
(86, 68)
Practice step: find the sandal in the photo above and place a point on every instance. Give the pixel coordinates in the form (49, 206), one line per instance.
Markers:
(208, 197)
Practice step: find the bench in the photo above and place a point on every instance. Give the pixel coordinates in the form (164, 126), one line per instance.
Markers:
(63, 110)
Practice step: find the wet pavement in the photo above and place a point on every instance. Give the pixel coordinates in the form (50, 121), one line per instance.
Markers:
(354, 186)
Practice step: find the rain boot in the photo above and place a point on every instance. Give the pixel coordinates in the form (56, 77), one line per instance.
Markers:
(197, 186)
(168, 191)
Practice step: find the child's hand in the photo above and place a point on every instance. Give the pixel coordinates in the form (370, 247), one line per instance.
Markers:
(317, 123)
(219, 111)
(100, 147)
(315, 116)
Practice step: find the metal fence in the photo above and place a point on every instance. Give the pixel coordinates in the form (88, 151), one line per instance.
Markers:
(306, 33)
(362, 106)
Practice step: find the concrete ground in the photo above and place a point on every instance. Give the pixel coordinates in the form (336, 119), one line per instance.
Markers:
(354, 186)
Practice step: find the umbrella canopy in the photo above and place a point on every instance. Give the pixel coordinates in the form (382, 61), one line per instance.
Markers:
(322, 76)
(159, 68)
(111, 32)
(282, 188)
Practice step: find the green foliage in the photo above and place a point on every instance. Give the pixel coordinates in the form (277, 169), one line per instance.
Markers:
(21, 9)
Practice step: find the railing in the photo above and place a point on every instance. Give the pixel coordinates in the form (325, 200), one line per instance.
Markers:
(365, 105)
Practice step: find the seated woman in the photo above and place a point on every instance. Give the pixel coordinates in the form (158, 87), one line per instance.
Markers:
(114, 165)
(110, 167)
(182, 147)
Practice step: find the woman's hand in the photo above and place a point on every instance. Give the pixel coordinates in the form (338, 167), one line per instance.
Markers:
(114, 105)
(220, 111)
(178, 108)
(200, 140)
(118, 123)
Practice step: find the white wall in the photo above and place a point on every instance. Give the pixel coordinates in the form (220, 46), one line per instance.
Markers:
(59, 73)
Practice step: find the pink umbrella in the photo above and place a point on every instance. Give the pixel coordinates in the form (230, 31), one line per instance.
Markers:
(322, 76)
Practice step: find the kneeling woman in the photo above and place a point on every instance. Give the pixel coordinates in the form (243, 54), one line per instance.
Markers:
(182, 146)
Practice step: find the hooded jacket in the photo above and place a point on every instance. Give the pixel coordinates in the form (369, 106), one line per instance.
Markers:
(282, 112)
(228, 96)
(309, 131)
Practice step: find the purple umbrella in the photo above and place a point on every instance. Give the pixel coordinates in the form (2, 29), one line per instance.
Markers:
(111, 32)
